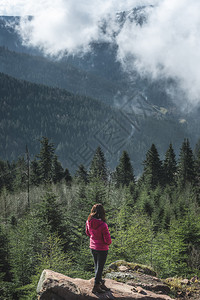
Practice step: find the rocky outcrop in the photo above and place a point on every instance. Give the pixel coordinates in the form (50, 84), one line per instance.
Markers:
(138, 276)
(143, 277)
(55, 286)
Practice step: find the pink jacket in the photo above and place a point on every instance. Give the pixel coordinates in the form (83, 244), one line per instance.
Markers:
(99, 234)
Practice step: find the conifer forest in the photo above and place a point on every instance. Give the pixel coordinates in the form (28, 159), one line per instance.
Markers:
(153, 217)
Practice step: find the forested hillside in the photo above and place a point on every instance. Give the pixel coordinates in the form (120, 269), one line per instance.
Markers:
(61, 74)
(78, 124)
(30, 111)
(153, 220)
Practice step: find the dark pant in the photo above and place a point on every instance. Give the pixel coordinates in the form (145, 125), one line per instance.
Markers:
(99, 262)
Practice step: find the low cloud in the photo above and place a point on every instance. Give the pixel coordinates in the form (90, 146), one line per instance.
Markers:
(68, 25)
(166, 46)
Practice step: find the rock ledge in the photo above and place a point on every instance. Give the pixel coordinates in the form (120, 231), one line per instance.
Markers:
(56, 286)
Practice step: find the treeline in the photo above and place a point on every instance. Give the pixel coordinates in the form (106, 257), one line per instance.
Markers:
(46, 168)
(153, 219)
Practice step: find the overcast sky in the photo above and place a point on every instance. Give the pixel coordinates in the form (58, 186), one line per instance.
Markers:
(167, 46)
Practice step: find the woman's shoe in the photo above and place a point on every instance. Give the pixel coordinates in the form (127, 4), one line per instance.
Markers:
(103, 286)
(97, 288)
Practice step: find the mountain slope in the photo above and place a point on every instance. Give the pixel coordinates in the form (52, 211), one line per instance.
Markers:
(30, 111)
(56, 74)
(77, 125)
(96, 74)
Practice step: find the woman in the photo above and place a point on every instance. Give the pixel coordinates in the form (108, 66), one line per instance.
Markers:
(100, 239)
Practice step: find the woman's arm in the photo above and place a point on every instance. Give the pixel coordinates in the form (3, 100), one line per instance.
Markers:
(106, 235)
(86, 229)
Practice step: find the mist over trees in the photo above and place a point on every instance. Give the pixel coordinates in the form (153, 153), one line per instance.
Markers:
(153, 219)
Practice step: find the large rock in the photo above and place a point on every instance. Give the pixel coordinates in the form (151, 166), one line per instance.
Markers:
(137, 276)
(55, 286)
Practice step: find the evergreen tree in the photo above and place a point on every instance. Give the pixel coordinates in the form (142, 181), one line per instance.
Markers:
(24, 245)
(4, 205)
(35, 175)
(127, 208)
(81, 174)
(78, 212)
(3, 171)
(46, 157)
(58, 172)
(98, 168)
(96, 191)
(170, 167)
(153, 172)
(189, 231)
(51, 256)
(197, 149)
(50, 213)
(7, 175)
(124, 171)
(133, 243)
(166, 254)
(67, 177)
(148, 207)
(197, 167)
(159, 209)
(139, 237)
(21, 174)
(52, 218)
(4, 265)
(175, 249)
(186, 165)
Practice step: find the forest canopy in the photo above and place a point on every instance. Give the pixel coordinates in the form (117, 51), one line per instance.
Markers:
(153, 218)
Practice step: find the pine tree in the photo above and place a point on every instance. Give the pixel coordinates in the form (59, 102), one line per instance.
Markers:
(35, 176)
(81, 204)
(197, 162)
(153, 172)
(166, 255)
(4, 265)
(7, 175)
(21, 174)
(176, 251)
(49, 211)
(186, 165)
(127, 208)
(24, 245)
(46, 157)
(81, 174)
(169, 166)
(197, 149)
(133, 243)
(4, 204)
(51, 256)
(98, 168)
(96, 191)
(139, 239)
(58, 171)
(124, 171)
(189, 230)
(67, 177)
(3, 171)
